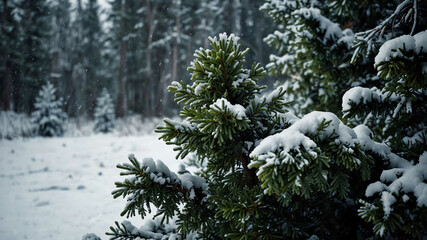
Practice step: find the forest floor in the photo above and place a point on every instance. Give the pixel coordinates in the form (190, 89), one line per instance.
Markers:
(60, 188)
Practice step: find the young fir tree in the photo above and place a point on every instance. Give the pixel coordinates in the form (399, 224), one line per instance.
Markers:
(268, 174)
(104, 114)
(48, 117)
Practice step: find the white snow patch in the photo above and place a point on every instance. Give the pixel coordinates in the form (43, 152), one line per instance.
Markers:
(236, 109)
(41, 179)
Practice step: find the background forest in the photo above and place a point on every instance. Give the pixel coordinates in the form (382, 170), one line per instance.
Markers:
(134, 48)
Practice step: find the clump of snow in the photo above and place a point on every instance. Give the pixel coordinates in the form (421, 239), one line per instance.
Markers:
(417, 137)
(200, 87)
(298, 134)
(181, 125)
(279, 5)
(224, 37)
(391, 174)
(242, 78)
(290, 117)
(356, 94)
(236, 109)
(347, 38)
(393, 48)
(161, 174)
(330, 29)
(421, 42)
(387, 199)
(411, 179)
(273, 94)
(364, 135)
(154, 229)
(375, 187)
(176, 84)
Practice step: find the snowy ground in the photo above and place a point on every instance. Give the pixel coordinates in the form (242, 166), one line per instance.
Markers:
(60, 188)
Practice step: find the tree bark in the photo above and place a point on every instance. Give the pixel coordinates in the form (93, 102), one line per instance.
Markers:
(121, 100)
(175, 44)
(6, 81)
(148, 91)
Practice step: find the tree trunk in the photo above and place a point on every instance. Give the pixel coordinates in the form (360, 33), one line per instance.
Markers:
(54, 71)
(7, 89)
(175, 45)
(121, 101)
(6, 81)
(148, 58)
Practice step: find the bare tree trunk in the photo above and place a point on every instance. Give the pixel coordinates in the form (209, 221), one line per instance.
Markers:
(121, 101)
(6, 81)
(7, 89)
(148, 58)
(175, 44)
(54, 72)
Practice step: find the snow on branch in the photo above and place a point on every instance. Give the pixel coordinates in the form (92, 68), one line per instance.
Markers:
(364, 135)
(397, 47)
(405, 11)
(330, 29)
(403, 182)
(298, 134)
(150, 179)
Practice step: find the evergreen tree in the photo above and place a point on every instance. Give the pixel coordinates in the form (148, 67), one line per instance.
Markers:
(34, 51)
(104, 113)
(24, 50)
(325, 48)
(396, 204)
(268, 174)
(314, 43)
(48, 117)
(9, 52)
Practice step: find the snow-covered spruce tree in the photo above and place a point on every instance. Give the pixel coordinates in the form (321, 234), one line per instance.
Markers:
(396, 204)
(314, 42)
(48, 117)
(104, 113)
(268, 174)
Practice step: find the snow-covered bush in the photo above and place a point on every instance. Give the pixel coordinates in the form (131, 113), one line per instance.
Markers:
(104, 114)
(48, 117)
(14, 125)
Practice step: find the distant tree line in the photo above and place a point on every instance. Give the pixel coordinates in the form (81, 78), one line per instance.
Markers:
(135, 49)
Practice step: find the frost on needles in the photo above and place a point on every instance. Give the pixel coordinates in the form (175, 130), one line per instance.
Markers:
(268, 174)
